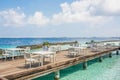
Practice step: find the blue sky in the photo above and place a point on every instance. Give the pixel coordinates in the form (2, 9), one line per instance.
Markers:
(59, 18)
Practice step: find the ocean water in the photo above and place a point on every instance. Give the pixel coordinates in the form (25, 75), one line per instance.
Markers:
(109, 69)
(13, 42)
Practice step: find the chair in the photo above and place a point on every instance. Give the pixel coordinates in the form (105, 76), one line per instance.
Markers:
(28, 58)
(45, 48)
(49, 55)
(5, 54)
(75, 45)
(27, 49)
(52, 48)
(21, 52)
(94, 49)
(58, 48)
(73, 52)
(108, 45)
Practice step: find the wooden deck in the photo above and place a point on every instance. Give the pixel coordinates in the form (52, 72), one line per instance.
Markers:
(16, 69)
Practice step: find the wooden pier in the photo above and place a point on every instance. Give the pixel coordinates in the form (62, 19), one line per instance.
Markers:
(15, 70)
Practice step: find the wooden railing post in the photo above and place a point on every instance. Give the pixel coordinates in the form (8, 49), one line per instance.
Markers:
(110, 55)
(85, 65)
(100, 59)
(117, 52)
(57, 75)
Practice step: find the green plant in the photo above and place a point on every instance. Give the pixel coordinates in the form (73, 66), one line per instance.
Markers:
(46, 43)
(87, 43)
(92, 41)
(76, 41)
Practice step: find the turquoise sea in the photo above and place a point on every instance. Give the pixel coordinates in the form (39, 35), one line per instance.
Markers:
(13, 42)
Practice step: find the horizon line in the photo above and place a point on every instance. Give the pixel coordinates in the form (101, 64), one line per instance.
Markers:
(63, 37)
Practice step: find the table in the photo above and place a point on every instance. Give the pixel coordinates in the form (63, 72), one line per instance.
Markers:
(15, 49)
(80, 48)
(42, 54)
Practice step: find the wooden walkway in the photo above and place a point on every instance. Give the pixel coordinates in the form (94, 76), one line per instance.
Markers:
(16, 69)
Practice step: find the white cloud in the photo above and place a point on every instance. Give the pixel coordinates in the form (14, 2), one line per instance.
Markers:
(12, 17)
(79, 11)
(15, 17)
(38, 19)
(111, 6)
(87, 11)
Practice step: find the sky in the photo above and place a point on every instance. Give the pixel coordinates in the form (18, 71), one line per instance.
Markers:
(59, 18)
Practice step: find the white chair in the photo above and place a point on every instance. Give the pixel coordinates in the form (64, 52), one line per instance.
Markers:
(45, 48)
(21, 52)
(93, 49)
(28, 58)
(27, 49)
(58, 48)
(55, 48)
(108, 45)
(5, 54)
(73, 52)
(52, 48)
(77, 45)
(49, 55)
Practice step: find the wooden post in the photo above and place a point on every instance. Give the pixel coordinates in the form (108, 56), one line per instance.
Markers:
(85, 65)
(117, 52)
(100, 59)
(57, 75)
(110, 55)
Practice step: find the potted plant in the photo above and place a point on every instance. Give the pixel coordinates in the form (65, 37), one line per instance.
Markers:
(90, 44)
(77, 44)
(92, 41)
(46, 45)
